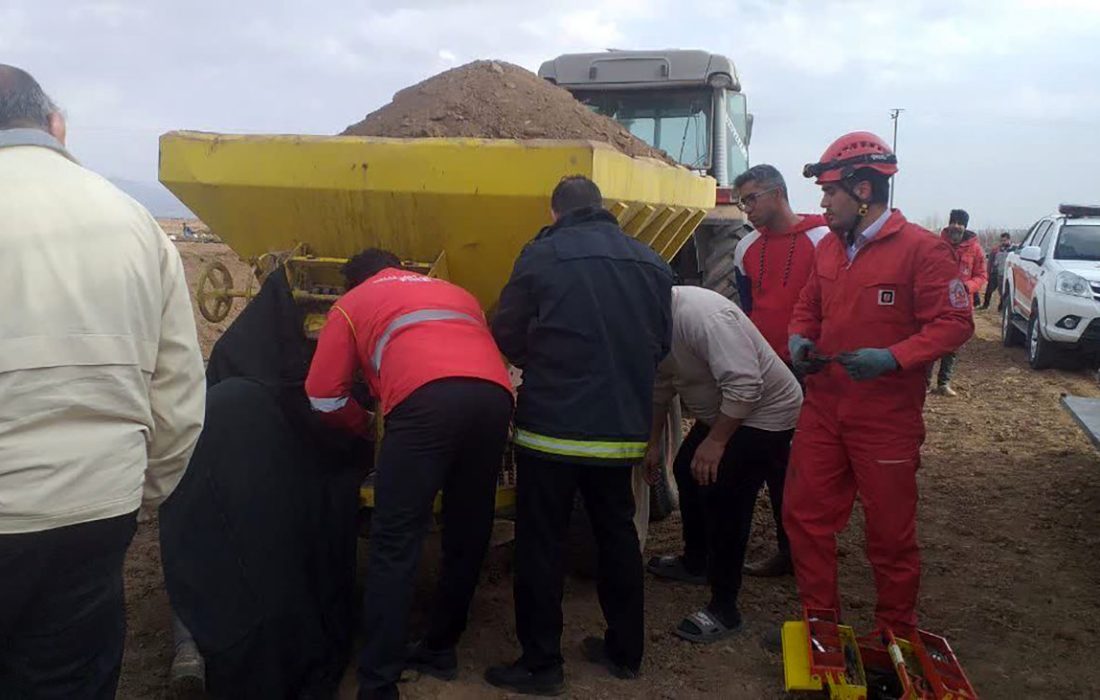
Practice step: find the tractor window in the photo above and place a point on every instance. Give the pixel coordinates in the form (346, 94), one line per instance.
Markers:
(676, 121)
(1078, 242)
(737, 135)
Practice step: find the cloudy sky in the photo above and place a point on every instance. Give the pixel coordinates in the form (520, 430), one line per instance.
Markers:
(1002, 99)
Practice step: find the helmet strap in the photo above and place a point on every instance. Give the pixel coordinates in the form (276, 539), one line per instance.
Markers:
(846, 185)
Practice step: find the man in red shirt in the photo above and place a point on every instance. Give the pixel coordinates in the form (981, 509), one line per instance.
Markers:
(884, 300)
(426, 353)
(772, 264)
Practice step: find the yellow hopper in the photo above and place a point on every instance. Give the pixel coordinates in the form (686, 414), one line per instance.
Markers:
(457, 208)
(461, 208)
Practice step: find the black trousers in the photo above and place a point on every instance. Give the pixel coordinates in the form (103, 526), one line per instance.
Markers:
(545, 494)
(693, 510)
(717, 519)
(447, 435)
(994, 285)
(62, 616)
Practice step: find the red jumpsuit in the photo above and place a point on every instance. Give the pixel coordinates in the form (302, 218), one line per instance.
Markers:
(900, 292)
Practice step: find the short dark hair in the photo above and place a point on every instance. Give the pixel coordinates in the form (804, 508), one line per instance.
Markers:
(1007, 235)
(880, 184)
(958, 216)
(767, 176)
(23, 103)
(362, 266)
(575, 192)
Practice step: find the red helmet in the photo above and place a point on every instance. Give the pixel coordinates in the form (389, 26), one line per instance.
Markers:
(858, 150)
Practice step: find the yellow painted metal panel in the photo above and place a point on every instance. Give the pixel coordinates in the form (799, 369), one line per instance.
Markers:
(476, 200)
(675, 242)
(637, 220)
(668, 234)
(796, 659)
(655, 225)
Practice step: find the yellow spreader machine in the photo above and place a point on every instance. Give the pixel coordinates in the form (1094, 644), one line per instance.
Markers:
(459, 209)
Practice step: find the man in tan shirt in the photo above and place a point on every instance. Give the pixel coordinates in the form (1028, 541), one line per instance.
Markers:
(101, 399)
(745, 402)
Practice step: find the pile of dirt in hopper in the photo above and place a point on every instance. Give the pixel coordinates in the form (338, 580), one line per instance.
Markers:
(495, 100)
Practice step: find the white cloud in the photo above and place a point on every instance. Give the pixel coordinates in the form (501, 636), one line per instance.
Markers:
(111, 14)
(984, 79)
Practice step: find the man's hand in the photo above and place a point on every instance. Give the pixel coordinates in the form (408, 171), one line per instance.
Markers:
(704, 465)
(652, 463)
(867, 363)
(801, 349)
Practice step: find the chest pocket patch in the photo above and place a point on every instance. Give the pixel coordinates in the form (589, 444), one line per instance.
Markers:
(886, 297)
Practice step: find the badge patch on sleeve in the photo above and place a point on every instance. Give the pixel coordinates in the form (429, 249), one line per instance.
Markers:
(886, 297)
(957, 295)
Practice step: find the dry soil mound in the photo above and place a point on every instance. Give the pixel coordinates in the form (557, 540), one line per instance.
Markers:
(497, 100)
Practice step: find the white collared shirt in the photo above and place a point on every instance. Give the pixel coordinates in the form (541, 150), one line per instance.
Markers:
(868, 235)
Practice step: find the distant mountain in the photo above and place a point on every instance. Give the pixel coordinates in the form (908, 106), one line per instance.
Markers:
(154, 197)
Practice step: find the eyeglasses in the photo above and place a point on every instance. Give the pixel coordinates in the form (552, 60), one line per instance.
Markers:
(749, 201)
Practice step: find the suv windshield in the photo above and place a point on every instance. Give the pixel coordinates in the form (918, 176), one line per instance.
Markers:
(676, 121)
(1078, 242)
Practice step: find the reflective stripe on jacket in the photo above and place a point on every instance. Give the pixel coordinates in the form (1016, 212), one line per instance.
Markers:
(402, 330)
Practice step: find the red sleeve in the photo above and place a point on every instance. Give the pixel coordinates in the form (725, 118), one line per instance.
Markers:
(806, 318)
(941, 303)
(332, 373)
(978, 274)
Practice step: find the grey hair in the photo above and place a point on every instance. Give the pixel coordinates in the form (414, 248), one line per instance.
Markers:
(23, 103)
(764, 175)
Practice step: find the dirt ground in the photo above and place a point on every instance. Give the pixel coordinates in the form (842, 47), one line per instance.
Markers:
(1009, 529)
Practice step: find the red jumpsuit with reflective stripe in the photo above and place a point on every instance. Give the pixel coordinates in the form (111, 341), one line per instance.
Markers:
(402, 330)
(901, 292)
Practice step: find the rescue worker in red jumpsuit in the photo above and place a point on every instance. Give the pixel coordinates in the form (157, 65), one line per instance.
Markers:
(884, 300)
(972, 272)
(425, 351)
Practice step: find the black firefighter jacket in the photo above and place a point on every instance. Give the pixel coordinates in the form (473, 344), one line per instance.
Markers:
(587, 316)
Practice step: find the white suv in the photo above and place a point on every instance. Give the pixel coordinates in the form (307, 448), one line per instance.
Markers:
(1052, 287)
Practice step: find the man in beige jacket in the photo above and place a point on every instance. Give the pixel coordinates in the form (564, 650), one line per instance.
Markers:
(101, 400)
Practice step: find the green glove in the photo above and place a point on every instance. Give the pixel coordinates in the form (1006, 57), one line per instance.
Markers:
(867, 363)
(801, 349)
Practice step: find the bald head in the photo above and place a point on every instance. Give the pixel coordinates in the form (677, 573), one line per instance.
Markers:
(24, 105)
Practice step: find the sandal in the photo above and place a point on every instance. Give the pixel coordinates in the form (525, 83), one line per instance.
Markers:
(704, 627)
(671, 566)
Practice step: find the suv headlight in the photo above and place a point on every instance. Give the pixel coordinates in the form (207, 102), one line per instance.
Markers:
(1074, 285)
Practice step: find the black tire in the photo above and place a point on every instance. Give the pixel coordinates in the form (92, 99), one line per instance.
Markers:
(1011, 336)
(718, 240)
(1040, 352)
(686, 264)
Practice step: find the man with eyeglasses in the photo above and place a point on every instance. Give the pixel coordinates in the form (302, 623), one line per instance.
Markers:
(771, 266)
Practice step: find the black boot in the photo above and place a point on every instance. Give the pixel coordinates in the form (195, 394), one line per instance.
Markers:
(519, 679)
(779, 564)
(595, 651)
(441, 664)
